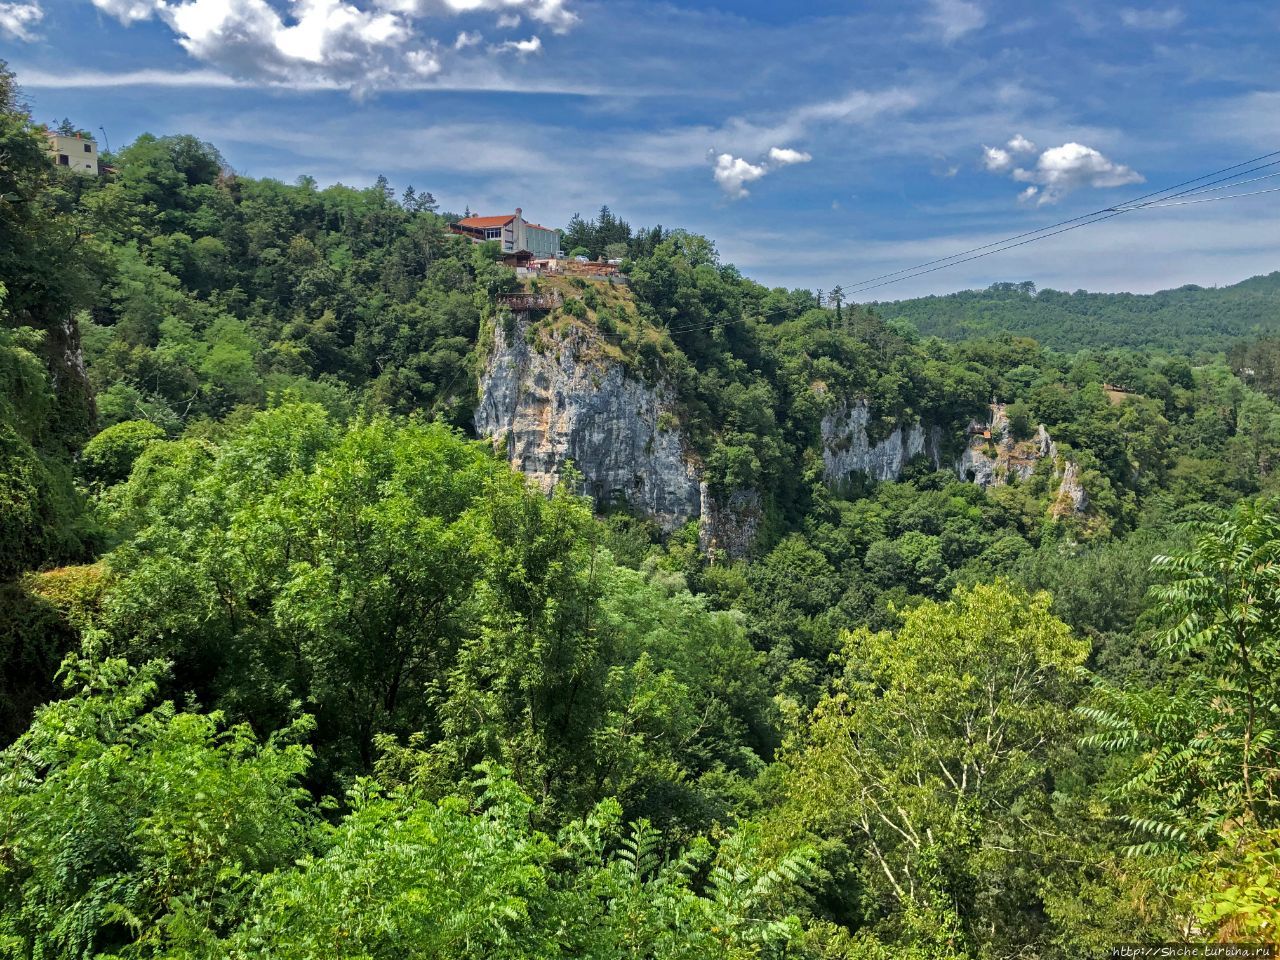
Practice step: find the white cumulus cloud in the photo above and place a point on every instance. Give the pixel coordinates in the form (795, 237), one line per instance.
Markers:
(783, 156)
(358, 44)
(1058, 170)
(733, 173)
(996, 159)
(1020, 144)
(18, 19)
(509, 21)
(999, 159)
(423, 62)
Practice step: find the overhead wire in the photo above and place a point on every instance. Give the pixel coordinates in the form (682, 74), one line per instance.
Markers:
(1166, 197)
(1084, 216)
(1107, 213)
(1230, 196)
(1225, 186)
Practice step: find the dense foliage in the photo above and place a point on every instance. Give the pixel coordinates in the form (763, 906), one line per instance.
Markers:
(1189, 320)
(291, 666)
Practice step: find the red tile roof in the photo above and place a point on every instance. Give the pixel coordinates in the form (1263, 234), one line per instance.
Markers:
(482, 222)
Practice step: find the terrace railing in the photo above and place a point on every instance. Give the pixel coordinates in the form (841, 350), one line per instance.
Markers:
(523, 302)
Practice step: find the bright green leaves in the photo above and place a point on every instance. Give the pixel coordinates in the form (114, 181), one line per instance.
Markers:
(1200, 784)
(405, 878)
(109, 456)
(311, 565)
(394, 579)
(934, 756)
(128, 826)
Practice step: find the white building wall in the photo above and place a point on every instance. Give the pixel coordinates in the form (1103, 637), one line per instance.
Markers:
(81, 154)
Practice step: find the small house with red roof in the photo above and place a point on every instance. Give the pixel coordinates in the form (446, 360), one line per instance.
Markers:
(516, 234)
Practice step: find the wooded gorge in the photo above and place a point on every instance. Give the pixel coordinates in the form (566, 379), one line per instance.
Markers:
(293, 665)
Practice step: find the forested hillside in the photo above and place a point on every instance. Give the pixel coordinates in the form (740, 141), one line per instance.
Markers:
(1190, 320)
(294, 665)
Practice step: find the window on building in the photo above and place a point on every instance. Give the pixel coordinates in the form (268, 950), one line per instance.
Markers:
(88, 148)
(64, 160)
(493, 233)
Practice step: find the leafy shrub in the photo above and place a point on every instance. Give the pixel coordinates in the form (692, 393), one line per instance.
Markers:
(109, 456)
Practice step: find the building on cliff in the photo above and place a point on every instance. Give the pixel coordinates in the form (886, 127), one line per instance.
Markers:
(73, 151)
(516, 235)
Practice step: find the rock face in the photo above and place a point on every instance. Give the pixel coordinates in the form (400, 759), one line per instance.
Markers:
(993, 457)
(729, 527)
(1072, 497)
(562, 402)
(847, 449)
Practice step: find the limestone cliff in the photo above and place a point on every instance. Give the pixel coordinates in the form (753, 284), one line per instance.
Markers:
(550, 395)
(847, 448)
(558, 399)
(993, 457)
(729, 525)
(1071, 497)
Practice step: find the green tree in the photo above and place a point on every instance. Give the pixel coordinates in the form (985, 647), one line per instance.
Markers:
(128, 826)
(934, 757)
(389, 885)
(110, 455)
(1202, 785)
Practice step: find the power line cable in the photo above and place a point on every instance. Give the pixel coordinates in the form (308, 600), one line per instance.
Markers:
(1108, 213)
(1231, 196)
(1166, 197)
(955, 263)
(1062, 223)
(1226, 186)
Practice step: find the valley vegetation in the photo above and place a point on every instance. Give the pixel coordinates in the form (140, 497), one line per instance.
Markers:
(291, 666)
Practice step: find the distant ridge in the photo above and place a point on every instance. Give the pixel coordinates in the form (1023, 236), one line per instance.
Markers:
(1187, 320)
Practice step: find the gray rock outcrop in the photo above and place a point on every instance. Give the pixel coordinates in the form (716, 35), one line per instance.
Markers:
(562, 401)
(1072, 497)
(552, 397)
(993, 458)
(847, 448)
(729, 526)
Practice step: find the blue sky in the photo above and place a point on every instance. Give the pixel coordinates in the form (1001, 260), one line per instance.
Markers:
(816, 143)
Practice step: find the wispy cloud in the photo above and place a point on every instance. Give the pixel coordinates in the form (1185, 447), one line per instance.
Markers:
(553, 13)
(1152, 18)
(17, 20)
(952, 19)
(532, 45)
(37, 79)
(469, 81)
